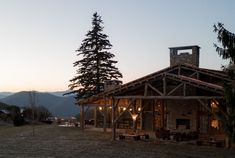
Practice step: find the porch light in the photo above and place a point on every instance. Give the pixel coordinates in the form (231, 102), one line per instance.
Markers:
(100, 108)
(134, 116)
(213, 105)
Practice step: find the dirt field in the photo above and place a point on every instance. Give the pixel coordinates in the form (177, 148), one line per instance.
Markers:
(52, 141)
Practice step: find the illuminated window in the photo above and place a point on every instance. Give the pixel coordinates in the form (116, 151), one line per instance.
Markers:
(215, 124)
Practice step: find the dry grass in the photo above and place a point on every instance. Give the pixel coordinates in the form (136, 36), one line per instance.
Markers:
(52, 141)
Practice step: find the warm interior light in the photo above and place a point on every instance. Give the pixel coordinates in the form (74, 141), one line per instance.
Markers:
(130, 109)
(124, 108)
(214, 104)
(100, 108)
(139, 109)
(215, 124)
(134, 116)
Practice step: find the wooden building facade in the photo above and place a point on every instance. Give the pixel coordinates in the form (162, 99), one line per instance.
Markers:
(179, 98)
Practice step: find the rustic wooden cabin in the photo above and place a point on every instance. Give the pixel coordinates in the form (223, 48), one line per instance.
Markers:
(180, 98)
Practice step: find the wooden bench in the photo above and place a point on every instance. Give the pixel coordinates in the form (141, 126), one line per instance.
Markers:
(135, 134)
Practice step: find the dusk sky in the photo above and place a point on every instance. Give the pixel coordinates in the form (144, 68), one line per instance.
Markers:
(38, 38)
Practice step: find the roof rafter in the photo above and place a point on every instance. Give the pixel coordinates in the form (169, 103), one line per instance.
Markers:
(208, 72)
(197, 83)
(174, 73)
(168, 97)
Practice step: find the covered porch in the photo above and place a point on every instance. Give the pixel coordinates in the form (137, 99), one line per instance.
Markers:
(179, 99)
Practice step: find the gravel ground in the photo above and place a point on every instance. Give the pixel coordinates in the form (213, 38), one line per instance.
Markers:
(52, 141)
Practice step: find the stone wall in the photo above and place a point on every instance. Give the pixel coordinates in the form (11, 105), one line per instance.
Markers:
(186, 57)
(181, 109)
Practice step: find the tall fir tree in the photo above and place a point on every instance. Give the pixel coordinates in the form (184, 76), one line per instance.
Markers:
(95, 66)
(227, 51)
(227, 39)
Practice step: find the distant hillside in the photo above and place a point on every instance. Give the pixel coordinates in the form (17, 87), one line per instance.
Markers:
(60, 93)
(2, 96)
(5, 94)
(58, 106)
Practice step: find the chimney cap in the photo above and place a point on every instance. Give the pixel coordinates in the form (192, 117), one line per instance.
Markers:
(184, 47)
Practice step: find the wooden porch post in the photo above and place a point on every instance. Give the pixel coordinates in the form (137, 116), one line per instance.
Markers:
(162, 106)
(82, 120)
(204, 119)
(153, 116)
(164, 101)
(165, 114)
(141, 115)
(113, 120)
(105, 115)
(184, 90)
(95, 117)
(164, 85)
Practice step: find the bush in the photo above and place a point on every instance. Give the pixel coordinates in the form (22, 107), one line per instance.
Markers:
(18, 120)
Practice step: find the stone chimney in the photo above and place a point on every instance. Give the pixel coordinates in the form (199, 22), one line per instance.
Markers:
(184, 57)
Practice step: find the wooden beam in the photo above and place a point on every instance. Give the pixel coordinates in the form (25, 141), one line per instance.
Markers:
(95, 117)
(145, 89)
(206, 106)
(156, 90)
(181, 84)
(130, 103)
(105, 115)
(115, 102)
(179, 70)
(168, 97)
(153, 116)
(164, 85)
(198, 75)
(208, 109)
(113, 118)
(196, 83)
(184, 89)
(194, 73)
(208, 72)
(141, 115)
(173, 90)
(162, 106)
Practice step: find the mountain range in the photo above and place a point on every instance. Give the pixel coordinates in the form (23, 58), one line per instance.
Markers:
(57, 104)
(5, 94)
